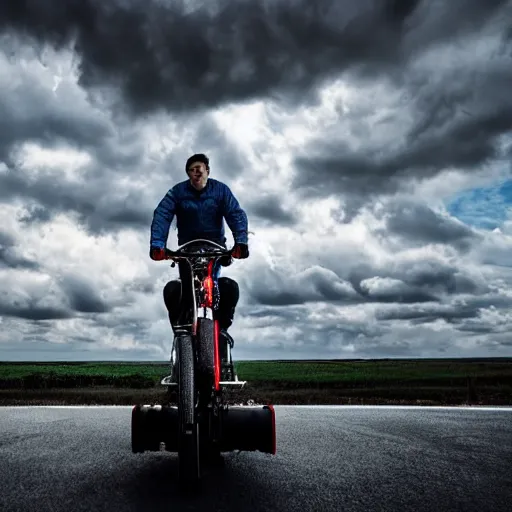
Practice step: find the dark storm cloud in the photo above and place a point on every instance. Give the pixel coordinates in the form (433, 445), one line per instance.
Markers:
(32, 311)
(430, 276)
(79, 296)
(10, 258)
(35, 214)
(270, 209)
(98, 205)
(491, 300)
(179, 56)
(160, 55)
(318, 331)
(275, 315)
(320, 284)
(458, 117)
(277, 297)
(82, 296)
(428, 313)
(467, 143)
(476, 328)
(405, 282)
(6, 240)
(316, 283)
(417, 223)
(397, 291)
(31, 113)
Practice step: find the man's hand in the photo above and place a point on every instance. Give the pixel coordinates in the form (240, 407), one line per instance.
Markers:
(240, 251)
(157, 254)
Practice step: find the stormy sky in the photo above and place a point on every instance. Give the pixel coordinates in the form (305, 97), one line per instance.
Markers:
(369, 142)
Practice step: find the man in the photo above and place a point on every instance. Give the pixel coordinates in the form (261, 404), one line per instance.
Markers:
(200, 204)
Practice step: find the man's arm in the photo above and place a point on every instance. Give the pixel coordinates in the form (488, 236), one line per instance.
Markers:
(236, 218)
(162, 218)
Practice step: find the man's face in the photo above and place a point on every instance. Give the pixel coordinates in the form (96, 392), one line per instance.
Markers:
(198, 175)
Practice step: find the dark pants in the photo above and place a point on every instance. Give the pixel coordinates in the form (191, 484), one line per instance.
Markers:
(229, 295)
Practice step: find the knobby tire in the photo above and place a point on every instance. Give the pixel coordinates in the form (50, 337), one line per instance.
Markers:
(188, 449)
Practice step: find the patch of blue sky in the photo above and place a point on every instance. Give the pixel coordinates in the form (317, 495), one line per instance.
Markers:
(485, 207)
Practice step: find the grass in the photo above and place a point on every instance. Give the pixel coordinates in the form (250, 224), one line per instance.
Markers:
(439, 381)
(396, 371)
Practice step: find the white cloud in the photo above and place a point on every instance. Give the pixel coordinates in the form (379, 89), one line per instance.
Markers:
(35, 158)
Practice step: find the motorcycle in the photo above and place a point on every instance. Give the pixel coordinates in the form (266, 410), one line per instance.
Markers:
(201, 421)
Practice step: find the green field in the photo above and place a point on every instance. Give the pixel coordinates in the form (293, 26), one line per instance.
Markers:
(434, 380)
(300, 373)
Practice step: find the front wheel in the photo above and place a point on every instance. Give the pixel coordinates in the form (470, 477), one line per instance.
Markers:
(206, 354)
(188, 447)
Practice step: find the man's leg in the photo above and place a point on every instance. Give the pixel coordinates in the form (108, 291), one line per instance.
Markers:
(172, 296)
(229, 296)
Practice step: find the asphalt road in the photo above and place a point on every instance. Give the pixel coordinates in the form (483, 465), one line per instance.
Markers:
(329, 458)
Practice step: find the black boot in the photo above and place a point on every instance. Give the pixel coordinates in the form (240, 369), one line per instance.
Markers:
(227, 339)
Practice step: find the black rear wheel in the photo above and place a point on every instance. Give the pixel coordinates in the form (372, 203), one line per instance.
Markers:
(188, 448)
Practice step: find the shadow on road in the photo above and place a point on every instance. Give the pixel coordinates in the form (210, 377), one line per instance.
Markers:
(152, 484)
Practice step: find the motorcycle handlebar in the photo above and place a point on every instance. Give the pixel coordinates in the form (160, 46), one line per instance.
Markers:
(181, 255)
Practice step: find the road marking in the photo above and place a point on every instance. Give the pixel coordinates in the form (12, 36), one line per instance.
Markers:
(396, 407)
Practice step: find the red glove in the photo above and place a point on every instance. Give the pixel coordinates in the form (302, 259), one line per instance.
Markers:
(240, 251)
(157, 254)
